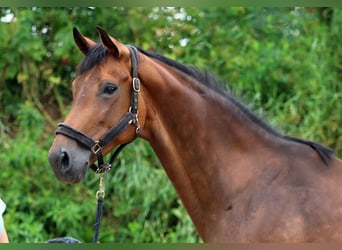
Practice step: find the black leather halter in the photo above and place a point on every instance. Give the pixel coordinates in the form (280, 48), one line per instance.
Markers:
(131, 117)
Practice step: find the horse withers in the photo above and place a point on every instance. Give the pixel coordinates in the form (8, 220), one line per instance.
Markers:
(239, 179)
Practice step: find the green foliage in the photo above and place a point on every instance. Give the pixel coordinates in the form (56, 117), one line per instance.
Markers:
(285, 63)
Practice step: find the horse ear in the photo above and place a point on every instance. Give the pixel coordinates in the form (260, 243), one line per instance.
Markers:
(83, 43)
(113, 45)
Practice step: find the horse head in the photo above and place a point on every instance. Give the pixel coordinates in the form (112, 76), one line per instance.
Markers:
(102, 95)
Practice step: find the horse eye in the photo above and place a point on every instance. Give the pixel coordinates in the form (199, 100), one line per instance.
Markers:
(109, 89)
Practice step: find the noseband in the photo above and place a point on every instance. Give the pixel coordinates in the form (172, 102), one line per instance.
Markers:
(131, 117)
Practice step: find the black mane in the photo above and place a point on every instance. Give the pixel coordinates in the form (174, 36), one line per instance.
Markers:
(97, 54)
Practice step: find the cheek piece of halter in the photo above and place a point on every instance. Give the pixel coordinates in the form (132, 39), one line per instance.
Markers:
(131, 117)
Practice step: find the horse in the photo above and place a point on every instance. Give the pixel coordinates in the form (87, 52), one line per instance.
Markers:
(238, 178)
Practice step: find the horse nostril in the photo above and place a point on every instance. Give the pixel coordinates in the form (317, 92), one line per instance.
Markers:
(65, 163)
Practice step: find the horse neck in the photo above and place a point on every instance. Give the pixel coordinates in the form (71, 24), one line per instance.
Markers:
(200, 138)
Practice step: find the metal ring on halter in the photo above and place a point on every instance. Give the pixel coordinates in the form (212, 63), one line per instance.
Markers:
(136, 84)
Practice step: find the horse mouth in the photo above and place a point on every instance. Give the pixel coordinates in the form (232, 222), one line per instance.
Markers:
(70, 179)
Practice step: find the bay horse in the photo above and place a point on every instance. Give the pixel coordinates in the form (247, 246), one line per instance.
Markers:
(238, 178)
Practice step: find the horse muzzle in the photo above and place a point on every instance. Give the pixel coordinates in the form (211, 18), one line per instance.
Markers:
(68, 160)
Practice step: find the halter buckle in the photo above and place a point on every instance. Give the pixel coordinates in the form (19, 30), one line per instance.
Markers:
(136, 84)
(96, 148)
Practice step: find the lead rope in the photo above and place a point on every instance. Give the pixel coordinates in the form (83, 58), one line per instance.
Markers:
(100, 194)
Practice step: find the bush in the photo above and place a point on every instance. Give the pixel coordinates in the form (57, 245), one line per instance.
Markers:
(285, 63)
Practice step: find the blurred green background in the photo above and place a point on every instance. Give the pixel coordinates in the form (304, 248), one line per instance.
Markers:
(283, 63)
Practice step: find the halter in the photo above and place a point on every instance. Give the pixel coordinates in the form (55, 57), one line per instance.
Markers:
(131, 117)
